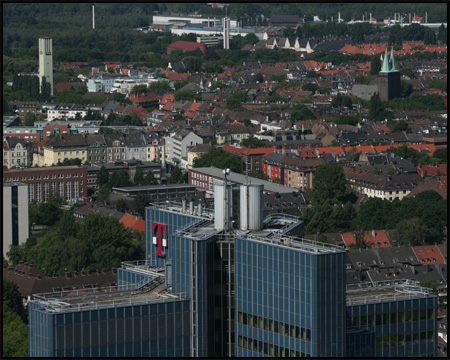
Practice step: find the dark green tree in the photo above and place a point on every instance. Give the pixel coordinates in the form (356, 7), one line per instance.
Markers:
(221, 159)
(310, 87)
(149, 179)
(119, 179)
(102, 176)
(121, 205)
(375, 65)
(258, 78)
(141, 201)
(12, 298)
(30, 118)
(341, 100)
(442, 35)
(175, 176)
(411, 232)
(103, 193)
(440, 155)
(139, 89)
(15, 335)
(46, 90)
(406, 89)
(329, 185)
(253, 143)
(138, 177)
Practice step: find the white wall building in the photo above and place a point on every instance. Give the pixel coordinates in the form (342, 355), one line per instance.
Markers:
(46, 61)
(177, 145)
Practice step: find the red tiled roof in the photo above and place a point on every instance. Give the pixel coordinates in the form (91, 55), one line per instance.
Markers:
(194, 106)
(368, 149)
(338, 150)
(245, 150)
(381, 127)
(429, 254)
(60, 87)
(188, 46)
(174, 76)
(139, 111)
(168, 106)
(166, 98)
(132, 222)
(432, 170)
(379, 240)
(143, 98)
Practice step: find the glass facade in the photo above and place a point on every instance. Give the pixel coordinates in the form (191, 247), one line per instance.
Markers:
(243, 295)
(139, 330)
(404, 327)
(289, 299)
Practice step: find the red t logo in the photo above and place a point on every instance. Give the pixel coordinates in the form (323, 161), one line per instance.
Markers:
(160, 228)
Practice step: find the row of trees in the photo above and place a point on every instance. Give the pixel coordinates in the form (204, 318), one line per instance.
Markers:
(96, 243)
(425, 215)
(15, 328)
(27, 88)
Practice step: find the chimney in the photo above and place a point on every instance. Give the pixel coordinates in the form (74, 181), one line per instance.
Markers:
(374, 234)
(200, 209)
(191, 207)
(184, 205)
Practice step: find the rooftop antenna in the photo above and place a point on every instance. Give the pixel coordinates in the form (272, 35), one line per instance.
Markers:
(225, 173)
(246, 168)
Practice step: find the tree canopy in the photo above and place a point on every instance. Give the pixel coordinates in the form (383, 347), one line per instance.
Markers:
(329, 185)
(221, 159)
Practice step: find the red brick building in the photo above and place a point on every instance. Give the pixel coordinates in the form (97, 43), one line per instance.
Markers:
(186, 46)
(34, 138)
(69, 182)
(145, 100)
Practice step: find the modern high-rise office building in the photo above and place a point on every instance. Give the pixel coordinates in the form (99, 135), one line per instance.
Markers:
(229, 283)
(15, 215)
(46, 61)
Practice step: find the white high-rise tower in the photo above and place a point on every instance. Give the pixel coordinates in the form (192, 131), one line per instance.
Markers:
(226, 33)
(93, 17)
(46, 61)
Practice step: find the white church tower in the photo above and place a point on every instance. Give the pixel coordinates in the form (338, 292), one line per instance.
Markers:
(46, 61)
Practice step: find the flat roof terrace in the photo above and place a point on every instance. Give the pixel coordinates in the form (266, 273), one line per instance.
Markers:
(102, 298)
(367, 293)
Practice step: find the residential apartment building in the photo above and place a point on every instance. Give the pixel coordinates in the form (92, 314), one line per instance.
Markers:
(97, 149)
(16, 152)
(272, 167)
(232, 134)
(67, 111)
(380, 186)
(101, 84)
(69, 182)
(116, 147)
(130, 166)
(155, 147)
(15, 215)
(253, 158)
(62, 147)
(136, 146)
(299, 173)
(178, 143)
(196, 152)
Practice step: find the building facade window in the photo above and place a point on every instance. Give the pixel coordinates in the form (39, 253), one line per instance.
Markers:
(68, 190)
